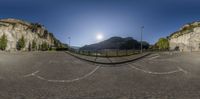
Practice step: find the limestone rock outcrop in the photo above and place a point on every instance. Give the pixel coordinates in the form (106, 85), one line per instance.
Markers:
(187, 38)
(14, 29)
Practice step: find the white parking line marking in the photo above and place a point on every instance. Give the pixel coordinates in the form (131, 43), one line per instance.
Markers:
(158, 73)
(31, 74)
(181, 69)
(34, 74)
(154, 57)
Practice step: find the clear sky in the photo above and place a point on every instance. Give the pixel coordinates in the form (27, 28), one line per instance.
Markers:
(82, 20)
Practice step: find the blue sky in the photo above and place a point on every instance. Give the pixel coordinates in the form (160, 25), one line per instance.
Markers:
(82, 20)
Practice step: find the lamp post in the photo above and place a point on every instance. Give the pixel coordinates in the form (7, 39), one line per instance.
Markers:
(69, 38)
(141, 38)
(190, 43)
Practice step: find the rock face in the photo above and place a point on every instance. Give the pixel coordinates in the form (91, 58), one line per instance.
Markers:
(187, 38)
(14, 29)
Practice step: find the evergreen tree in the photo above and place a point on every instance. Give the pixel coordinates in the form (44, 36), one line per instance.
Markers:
(33, 45)
(3, 42)
(39, 47)
(50, 48)
(44, 46)
(29, 47)
(21, 43)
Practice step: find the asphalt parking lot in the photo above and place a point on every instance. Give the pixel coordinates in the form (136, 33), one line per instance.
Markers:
(58, 75)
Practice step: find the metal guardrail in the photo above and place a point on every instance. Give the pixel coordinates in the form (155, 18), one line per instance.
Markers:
(106, 53)
(110, 63)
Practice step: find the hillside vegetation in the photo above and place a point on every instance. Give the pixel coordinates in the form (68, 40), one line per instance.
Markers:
(188, 28)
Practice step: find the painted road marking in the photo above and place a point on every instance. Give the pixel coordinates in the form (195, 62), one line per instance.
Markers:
(181, 69)
(154, 57)
(157, 73)
(34, 74)
(31, 74)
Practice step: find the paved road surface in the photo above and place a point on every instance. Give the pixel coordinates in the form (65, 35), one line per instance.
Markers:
(57, 75)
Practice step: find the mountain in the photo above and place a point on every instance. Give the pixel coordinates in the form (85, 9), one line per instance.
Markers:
(74, 47)
(14, 29)
(187, 38)
(115, 43)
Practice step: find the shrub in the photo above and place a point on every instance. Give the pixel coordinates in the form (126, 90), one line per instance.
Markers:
(29, 47)
(177, 48)
(21, 43)
(39, 47)
(33, 45)
(199, 45)
(44, 46)
(163, 44)
(3, 42)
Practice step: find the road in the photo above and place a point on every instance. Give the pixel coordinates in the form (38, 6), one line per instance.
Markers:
(58, 75)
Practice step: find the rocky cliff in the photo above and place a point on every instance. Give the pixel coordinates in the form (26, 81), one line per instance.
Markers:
(14, 29)
(187, 38)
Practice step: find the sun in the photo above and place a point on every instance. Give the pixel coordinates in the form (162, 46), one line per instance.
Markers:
(99, 36)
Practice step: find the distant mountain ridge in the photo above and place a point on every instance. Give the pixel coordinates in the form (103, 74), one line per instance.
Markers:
(115, 43)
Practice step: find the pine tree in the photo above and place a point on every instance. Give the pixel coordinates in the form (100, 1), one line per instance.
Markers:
(33, 45)
(29, 47)
(21, 43)
(44, 46)
(3, 42)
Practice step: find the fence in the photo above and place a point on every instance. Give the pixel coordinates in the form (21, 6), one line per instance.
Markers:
(106, 52)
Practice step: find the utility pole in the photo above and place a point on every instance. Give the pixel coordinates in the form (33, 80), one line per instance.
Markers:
(69, 38)
(141, 38)
(190, 43)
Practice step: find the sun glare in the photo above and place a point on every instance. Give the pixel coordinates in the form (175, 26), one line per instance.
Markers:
(99, 36)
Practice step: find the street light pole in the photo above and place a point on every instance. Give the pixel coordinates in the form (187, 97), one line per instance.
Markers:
(69, 42)
(190, 43)
(141, 38)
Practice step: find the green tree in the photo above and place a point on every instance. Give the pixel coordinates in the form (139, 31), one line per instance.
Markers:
(3, 42)
(39, 47)
(163, 44)
(44, 46)
(29, 47)
(21, 43)
(33, 45)
(145, 45)
(50, 48)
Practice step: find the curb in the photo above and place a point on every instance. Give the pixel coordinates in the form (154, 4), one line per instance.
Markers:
(105, 63)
